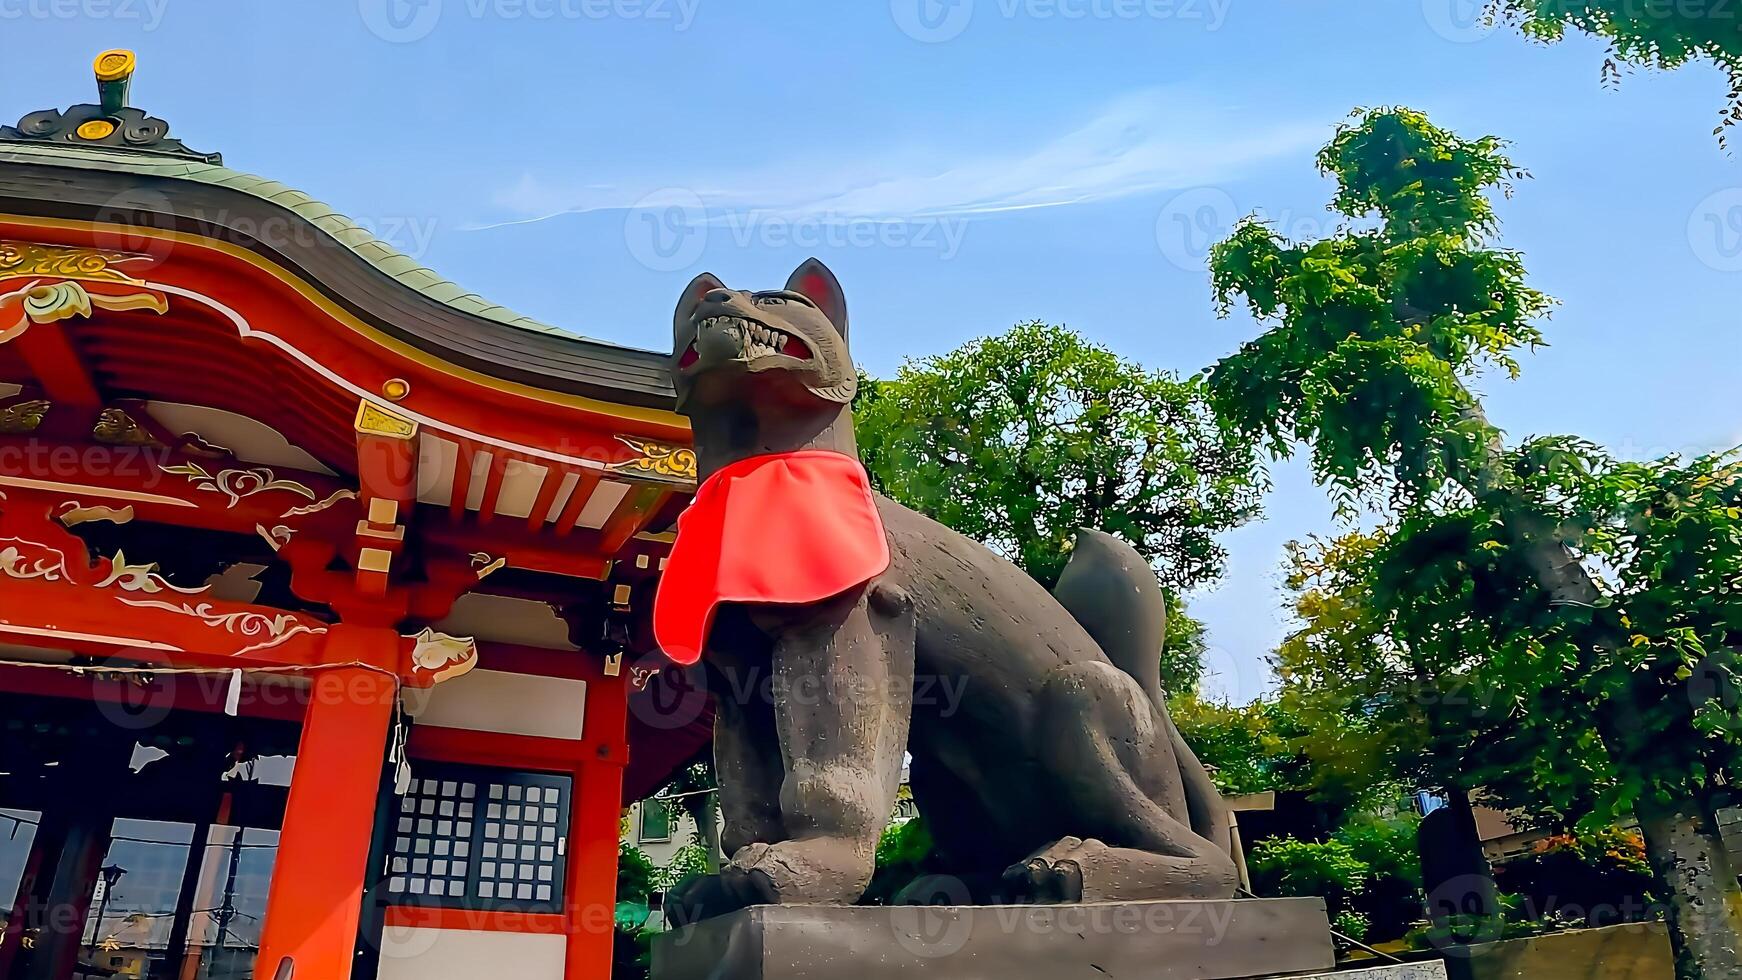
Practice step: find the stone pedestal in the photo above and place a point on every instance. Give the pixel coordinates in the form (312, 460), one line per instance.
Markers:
(1232, 940)
(1428, 970)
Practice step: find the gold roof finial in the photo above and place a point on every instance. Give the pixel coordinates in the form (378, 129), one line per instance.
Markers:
(114, 65)
(114, 70)
(112, 122)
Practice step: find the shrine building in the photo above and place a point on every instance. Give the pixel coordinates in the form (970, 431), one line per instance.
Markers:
(324, 587)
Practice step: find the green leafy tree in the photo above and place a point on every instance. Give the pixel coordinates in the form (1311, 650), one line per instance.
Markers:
(1372, 339)
(1652, 34)
(691, 861)
(1285, 866)
(1420, 632)
(691, 793)
(637, 876)
(904, 853)
(1264, 746)
(1367, 872)
(1020, 439)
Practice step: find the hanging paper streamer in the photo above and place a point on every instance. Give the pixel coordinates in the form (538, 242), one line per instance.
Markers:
(233, 697)
(402, 765)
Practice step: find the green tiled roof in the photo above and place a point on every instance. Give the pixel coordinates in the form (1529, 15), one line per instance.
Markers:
(342, 229)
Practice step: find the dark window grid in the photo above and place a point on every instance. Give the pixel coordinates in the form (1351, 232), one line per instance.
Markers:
(480, 838)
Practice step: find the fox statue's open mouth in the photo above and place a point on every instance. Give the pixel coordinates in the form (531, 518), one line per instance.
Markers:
(755, 340)
(787, 343)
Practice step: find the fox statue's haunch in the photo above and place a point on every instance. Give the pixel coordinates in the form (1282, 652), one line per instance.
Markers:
(1043, 757)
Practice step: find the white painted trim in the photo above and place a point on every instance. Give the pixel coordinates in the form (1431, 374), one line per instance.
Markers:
(507, 704)
(423, 953)
(571, 479)
(521, 482)
(606, 496)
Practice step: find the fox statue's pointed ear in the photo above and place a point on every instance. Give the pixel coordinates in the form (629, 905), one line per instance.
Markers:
(816, 282)
(699, 287)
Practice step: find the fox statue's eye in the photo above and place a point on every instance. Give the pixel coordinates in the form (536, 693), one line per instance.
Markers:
(770, 301)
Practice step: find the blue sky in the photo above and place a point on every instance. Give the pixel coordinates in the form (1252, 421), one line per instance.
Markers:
(961, 165)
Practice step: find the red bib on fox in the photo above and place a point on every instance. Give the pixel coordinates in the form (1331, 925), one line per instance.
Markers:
(792, 527)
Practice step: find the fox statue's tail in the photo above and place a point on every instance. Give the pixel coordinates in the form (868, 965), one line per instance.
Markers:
(1109, 589)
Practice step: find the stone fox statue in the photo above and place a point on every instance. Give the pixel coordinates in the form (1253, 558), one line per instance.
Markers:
(1043, 757)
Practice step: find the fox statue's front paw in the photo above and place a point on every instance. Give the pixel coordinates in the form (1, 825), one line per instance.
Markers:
(821, 871)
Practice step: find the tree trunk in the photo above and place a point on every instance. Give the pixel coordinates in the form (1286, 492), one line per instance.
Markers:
(1689, 867)
(1455, 872)
(707, 818)
(1687, 856)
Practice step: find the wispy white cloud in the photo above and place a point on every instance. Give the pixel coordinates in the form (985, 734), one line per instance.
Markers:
(1146, 142)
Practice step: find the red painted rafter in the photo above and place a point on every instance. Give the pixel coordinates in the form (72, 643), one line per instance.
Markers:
(59, 371)
(632, 514)
(493, 486)
(463, 463)
(565, 522)
(553, 483)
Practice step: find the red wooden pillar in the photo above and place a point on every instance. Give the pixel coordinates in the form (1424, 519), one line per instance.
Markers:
(323, 850)
(594, 822)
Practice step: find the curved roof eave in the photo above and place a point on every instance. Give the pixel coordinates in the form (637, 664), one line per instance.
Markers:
(344, 260)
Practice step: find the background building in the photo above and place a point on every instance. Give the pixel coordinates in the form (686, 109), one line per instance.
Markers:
(322, 586)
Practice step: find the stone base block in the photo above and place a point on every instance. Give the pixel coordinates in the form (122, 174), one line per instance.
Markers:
(1426, 970)
(1232, 940)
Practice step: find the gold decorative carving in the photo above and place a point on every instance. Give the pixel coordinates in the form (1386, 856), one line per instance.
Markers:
(486, 565)
(49, 565)
(673, 464)
(445, 656)
(244, 623)
(95, 129)
(334, 498)
(22, 417)
(374, 420)
(77, 513)
(48, 302)
(38, 302)
(66, 295)
(139, 578)
(237, 484)
(277, 536)
(116, 428)
(24, 259)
